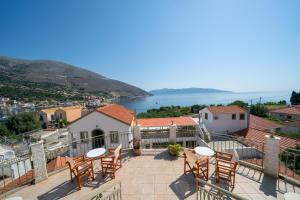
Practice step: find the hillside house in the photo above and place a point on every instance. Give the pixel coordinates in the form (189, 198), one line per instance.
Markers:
(287, 114)
(223, 119)
(51, 115)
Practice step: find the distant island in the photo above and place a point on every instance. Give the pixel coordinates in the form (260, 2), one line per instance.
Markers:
(186, 91)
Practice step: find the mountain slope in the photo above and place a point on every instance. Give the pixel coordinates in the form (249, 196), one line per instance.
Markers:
(18, 73)
(185, 91)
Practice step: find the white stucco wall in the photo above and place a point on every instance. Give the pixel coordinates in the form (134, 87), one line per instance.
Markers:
(100, 121)
(224, 123)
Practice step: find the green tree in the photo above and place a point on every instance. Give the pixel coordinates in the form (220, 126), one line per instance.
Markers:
(295, 98)
(22, 122)
(3, 130)
(259, 110)
(239, 103)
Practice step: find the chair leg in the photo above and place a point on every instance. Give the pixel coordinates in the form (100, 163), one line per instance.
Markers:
(71, 178)
(78, 182)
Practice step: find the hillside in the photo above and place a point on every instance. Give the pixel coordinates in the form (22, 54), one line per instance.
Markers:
(186, 91)
(57, 80)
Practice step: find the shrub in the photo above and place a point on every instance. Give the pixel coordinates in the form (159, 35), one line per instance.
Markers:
(174, 149)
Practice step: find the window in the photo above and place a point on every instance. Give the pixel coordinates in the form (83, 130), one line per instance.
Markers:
(216, 117)
(206, 116)
(233, 116)
(60, 116)
(242, 116)
(84, 136)
(289, 117)
(114, 136)
(52, 117)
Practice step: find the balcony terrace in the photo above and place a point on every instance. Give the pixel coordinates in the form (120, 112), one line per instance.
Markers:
(158, 176)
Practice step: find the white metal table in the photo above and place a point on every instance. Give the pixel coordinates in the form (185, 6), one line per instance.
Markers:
(204, 151)
(95, 154)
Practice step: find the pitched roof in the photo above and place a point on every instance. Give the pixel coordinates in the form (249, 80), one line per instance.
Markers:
(70, 108)
(262, 124)
(117, 112)
(292, 123)
(159, 122)
(226, 109)
(258, 136)
(294, 110)
(49, 110)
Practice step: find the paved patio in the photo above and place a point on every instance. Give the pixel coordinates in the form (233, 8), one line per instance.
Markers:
(156, 177)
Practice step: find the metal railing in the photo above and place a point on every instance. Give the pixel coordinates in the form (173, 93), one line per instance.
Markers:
(56, 158)
(15, 172)
(180, 133)
(243, 149)
(109, 191)
(289, 162)
(155, 134)
(208, 191)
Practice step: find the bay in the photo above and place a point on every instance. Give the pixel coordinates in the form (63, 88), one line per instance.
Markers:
(156, 101)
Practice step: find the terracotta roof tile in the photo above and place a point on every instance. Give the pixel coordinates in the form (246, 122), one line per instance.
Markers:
(226, 109)
(117, 112)
(258, 136)
(159, 122)
(262, 124)
(294, 110)
(292, 123)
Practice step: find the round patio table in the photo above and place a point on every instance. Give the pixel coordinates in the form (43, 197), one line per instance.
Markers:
(204, 151)
(95, 153)
(291, 196)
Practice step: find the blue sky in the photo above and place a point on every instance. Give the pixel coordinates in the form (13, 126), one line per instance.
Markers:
(234, 45)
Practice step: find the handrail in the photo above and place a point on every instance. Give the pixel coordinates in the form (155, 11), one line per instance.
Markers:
(111, 190)
(221, 192)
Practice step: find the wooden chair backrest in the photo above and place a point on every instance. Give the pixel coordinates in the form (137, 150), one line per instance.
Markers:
(190, 156)
(117, 153)
(224, 156)
(73, 161)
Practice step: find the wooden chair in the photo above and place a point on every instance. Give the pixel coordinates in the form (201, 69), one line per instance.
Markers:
(199, 167)
(112, 161)
(80, 166)
(225, 170)
(223, 156)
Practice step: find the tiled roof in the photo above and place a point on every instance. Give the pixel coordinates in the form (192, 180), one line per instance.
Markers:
(70, 108)
(226, 109)
(294, 110)
(292, 123)
(159, 122)
(49, 110)
(262, 124)
(258, 136)
(117, 112)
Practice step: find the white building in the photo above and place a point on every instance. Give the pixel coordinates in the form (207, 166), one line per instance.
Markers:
(224, 119)
(106, 126)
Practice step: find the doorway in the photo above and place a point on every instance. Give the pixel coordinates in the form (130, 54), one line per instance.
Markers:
(98, 139)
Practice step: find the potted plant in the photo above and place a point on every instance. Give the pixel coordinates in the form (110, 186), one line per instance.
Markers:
(136, 146)
(174, 149)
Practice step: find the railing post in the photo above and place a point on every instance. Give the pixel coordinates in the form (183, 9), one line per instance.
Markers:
(39, 161)
(172, 133)
(271, 158)
(137, 132)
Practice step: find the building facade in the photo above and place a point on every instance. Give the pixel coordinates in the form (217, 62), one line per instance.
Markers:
(223, 119)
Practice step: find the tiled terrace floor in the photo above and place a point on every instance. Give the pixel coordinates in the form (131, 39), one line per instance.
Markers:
(156, 177)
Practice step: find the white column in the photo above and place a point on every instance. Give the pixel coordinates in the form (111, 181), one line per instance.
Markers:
(39, 161)
(137, 132)
(172, 137)
(271, 160)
